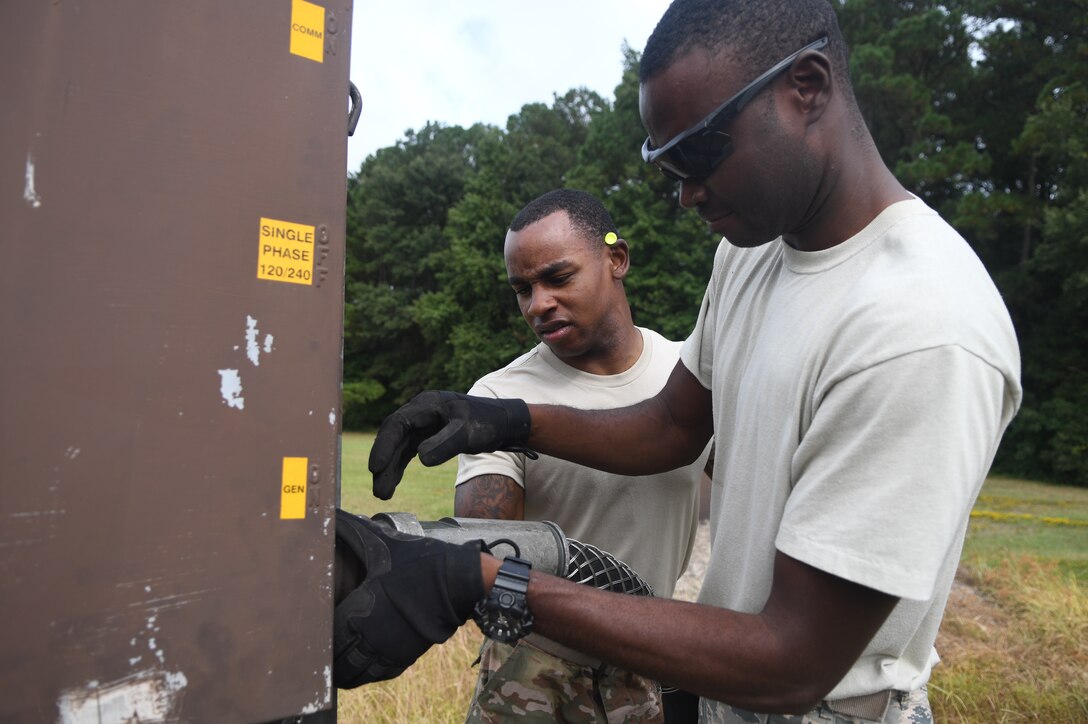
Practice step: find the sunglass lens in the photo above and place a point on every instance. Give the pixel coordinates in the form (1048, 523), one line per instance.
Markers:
(666, 165)
(703, 153)
(696, 157)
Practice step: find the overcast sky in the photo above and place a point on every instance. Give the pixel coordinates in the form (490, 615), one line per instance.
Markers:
(471, 61)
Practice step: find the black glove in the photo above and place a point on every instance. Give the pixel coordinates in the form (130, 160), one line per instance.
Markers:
(440, 425)
(414, 592)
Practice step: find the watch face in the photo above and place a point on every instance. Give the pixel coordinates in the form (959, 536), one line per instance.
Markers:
(504, 615)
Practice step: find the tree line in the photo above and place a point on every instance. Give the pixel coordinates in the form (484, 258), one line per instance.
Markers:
(978, 106)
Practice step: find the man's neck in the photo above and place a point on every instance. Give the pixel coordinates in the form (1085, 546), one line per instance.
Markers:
(854, 194)
(622, 353)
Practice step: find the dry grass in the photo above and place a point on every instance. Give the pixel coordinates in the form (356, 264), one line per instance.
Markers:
(1014, 641)
(436, 690)
(1014, 645)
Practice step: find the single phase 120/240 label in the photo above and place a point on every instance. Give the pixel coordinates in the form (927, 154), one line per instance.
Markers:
(286, 252)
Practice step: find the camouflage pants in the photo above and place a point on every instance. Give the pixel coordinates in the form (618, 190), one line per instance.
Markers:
(524, 684)
(905, 708)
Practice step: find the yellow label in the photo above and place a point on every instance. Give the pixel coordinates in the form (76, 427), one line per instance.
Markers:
(308, 30)
(286, 252)
(293, 489)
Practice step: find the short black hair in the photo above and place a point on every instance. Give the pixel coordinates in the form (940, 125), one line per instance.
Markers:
(587, 214)
(754, 33)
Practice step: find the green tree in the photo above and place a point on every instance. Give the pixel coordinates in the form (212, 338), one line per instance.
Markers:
(1030, 219)
(398, 207)
(1049, 285)
(911, 69)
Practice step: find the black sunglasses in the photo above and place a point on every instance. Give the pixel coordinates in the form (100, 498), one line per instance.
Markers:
(695, 153)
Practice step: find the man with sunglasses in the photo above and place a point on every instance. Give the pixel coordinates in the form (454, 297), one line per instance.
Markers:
(852, 360)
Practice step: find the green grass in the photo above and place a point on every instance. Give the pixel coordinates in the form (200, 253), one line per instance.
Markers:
(439, 686)
(1014, 650)
(1013, 517)
(425, 492)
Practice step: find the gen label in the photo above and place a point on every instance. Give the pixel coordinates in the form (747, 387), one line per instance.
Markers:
(293, 489)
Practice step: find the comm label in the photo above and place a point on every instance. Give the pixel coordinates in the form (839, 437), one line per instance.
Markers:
(286, 252)
(293, 489)
(308, 30)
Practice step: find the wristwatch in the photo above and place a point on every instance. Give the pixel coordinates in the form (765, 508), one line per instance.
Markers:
(504, 615)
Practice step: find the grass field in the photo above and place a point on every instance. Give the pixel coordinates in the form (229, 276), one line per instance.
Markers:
(1014, 643)
(438, 688)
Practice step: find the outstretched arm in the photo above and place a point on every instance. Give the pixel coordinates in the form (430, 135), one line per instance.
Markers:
(783, 659)
(661, 433)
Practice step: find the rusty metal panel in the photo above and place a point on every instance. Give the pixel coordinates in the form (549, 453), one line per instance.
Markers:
(172, 200)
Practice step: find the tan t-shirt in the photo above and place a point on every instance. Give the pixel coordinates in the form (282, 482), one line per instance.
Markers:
(859, 396)
(646, 521)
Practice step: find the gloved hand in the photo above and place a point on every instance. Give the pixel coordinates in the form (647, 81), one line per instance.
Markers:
(412, 593)
(440, 425)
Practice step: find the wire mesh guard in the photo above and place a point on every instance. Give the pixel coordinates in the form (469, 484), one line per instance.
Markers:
(594, 567)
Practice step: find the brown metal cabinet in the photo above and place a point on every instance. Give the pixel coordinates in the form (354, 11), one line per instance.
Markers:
(172, 203)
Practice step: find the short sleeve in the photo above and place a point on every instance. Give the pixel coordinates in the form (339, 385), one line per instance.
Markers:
(890, 466)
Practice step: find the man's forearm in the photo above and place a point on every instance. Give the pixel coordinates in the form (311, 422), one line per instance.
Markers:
(781, 660)
(662, 433)
(638, 440)
(716, 653)
(642, 635)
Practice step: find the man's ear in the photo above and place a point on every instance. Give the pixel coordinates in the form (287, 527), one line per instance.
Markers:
(811, 84)
(619, 256)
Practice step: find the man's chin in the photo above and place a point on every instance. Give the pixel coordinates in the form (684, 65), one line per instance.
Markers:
(563, 351)
(732, 228)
